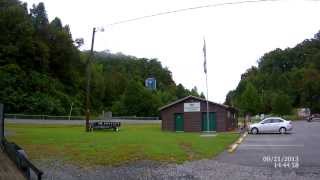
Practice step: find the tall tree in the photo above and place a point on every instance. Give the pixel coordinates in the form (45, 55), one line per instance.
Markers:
(250, 100)
(281, 104)
(39, 17)
(194, 91)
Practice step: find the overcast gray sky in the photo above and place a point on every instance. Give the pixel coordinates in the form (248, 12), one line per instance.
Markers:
(236, 35)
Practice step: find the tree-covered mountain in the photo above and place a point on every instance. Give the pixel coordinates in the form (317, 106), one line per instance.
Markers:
(39, 65)
(42, 70)
(283, 79)
(118, 85)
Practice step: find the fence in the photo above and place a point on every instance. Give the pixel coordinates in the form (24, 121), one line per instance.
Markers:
(48, 117)
(15, 153)
(18, 156)
(43, 117)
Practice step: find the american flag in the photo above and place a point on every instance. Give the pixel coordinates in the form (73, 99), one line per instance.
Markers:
(205, 56)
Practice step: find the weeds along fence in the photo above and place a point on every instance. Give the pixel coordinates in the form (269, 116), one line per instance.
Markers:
(48, 117)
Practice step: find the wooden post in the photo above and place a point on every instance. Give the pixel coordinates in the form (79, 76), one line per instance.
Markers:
(88, 73)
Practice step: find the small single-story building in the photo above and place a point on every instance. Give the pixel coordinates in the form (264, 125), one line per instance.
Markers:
(189, 114)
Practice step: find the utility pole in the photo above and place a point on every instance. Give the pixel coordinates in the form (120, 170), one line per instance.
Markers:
(88, 73)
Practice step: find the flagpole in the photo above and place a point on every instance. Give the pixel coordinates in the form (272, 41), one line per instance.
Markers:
(207, 103)
(205, 71)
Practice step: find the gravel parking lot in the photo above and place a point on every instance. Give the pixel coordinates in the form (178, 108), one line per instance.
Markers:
(203, 169)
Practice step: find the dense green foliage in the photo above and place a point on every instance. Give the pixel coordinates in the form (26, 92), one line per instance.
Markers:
(283, 79)
(119, 81)
(281, 104)
(250, 100)
(43, 72)
(39, 64)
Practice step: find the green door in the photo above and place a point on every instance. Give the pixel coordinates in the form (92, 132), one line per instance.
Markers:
(212, 121)
(179, 124)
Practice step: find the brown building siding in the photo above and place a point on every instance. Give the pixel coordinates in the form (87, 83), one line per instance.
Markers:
(193, 120)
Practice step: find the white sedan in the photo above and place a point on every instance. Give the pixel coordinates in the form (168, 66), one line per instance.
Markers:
(271, 125)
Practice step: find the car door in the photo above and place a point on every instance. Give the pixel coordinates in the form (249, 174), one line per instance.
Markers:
(265, 126)
(276, 125)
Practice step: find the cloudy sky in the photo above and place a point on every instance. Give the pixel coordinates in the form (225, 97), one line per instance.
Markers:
(236, 35)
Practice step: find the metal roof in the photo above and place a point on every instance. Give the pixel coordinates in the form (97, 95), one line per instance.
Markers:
(194, 97)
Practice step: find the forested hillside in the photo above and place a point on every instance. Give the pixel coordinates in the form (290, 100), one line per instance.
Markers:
(42, 70)
(284, 79)
(118, 85)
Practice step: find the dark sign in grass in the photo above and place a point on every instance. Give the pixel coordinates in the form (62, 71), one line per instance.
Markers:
(133, 142)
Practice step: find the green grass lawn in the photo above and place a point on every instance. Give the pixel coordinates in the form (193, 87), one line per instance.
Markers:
(133, 142)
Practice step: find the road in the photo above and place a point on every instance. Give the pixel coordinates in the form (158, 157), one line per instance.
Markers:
(298, 151)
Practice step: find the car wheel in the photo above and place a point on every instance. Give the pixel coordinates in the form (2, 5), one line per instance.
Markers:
(254, 130)
(282, 130)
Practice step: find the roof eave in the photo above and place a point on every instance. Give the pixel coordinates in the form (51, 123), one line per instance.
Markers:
(201, 99)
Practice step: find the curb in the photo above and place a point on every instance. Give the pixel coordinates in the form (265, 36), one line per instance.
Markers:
(235, 145)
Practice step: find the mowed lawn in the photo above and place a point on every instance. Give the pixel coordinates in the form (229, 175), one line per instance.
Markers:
(133, 142)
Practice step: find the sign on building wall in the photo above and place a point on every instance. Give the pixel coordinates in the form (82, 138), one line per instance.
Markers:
(191, 107)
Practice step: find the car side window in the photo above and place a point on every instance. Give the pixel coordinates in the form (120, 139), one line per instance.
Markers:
(276, 121)
(267, 121)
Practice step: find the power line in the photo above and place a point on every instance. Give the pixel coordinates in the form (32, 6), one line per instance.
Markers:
(188, 9)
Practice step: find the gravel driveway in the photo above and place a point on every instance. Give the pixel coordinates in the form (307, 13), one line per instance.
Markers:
(202, 169)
